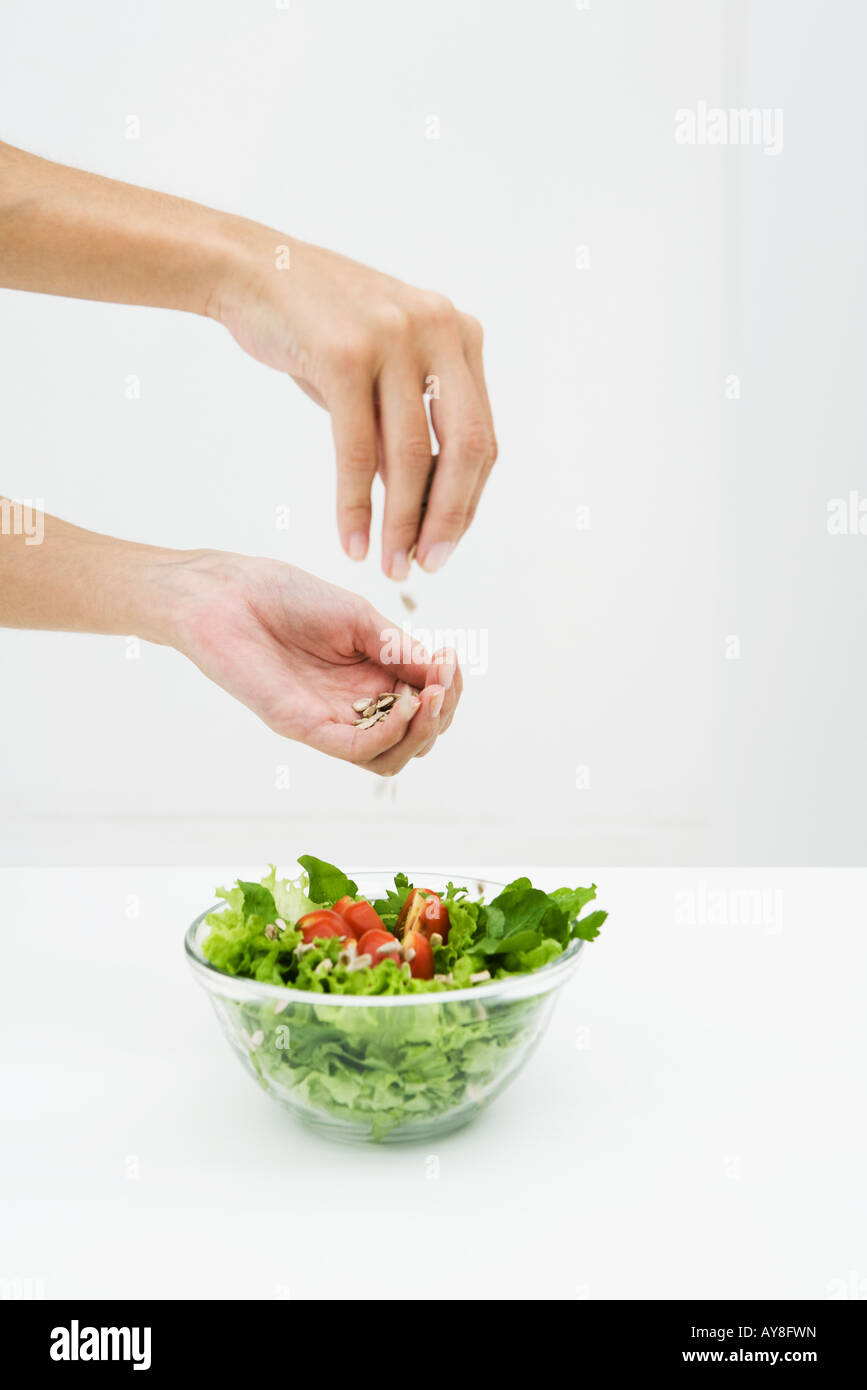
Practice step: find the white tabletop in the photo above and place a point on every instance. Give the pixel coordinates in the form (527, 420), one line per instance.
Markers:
(691, 1125)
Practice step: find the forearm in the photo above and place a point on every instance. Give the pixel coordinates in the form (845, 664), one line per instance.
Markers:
(67, 232)
(56, 576)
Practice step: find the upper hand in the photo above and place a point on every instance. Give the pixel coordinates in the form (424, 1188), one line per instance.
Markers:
(367, 347)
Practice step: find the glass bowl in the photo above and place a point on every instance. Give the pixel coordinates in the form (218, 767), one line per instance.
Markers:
(387, 1068)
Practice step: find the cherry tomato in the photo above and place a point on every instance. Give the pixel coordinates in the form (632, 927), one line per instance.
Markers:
(421, 967)
(318, 925)
(435, 918)
(412, 909)
(371, 944)
(363, 917)
(341, 905)
(424, 912)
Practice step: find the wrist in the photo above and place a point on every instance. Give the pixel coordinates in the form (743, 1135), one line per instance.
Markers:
(246, 255)
(161, 587)
(181, 590)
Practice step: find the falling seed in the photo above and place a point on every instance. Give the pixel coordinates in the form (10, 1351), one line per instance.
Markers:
(408, 602)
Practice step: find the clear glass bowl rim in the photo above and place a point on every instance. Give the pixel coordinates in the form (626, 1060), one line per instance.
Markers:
(540, 981)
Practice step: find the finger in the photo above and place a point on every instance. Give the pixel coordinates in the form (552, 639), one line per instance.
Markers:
(421, 732)
(407, 452)
(460, 419)
(471, 337)
(353, 422)
(446, 672)
(400, 655)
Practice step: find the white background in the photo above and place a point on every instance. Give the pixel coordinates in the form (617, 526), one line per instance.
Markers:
(605, 648)
(710, 1140)
(691, 1125)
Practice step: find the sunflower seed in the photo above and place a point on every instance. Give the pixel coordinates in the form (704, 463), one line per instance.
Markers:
(271, 931)
(436, 939)
(479, 976)
(409, 953)
(444, 979)
(281, 1005)
(360, 962)
(366, 722)
(386, 700)
(323, 967)
(360, 705)
(388, 947)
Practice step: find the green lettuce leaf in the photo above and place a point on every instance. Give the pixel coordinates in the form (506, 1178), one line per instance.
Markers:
(327, 883)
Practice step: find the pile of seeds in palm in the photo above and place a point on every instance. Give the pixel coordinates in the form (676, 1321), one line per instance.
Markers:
(372, 708)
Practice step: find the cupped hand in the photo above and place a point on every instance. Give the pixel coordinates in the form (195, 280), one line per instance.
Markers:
(299, 652)
(369, 348)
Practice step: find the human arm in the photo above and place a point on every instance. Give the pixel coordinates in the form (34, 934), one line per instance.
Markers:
(361, 343)
(296, 650)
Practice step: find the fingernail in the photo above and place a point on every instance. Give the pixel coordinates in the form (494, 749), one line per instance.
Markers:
(357, 545)
(400, 566)
(437, 556)
(436, 703)
(446, 669)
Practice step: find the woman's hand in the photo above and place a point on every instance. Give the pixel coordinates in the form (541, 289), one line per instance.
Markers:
(368, 348)
(295, 650)
(363, 345)
(298, 652)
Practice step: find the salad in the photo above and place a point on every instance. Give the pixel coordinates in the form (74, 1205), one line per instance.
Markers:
(379, 1070)
(317, 933)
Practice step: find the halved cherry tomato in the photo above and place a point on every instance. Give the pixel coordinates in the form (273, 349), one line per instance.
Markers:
(412, 909)
(363, 917)
(318, 925)
(359, 916)
(421, 967)
(372, 942)
(435, 918)
(423, 911)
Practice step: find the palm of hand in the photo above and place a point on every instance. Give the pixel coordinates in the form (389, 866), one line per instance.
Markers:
(298, 651)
